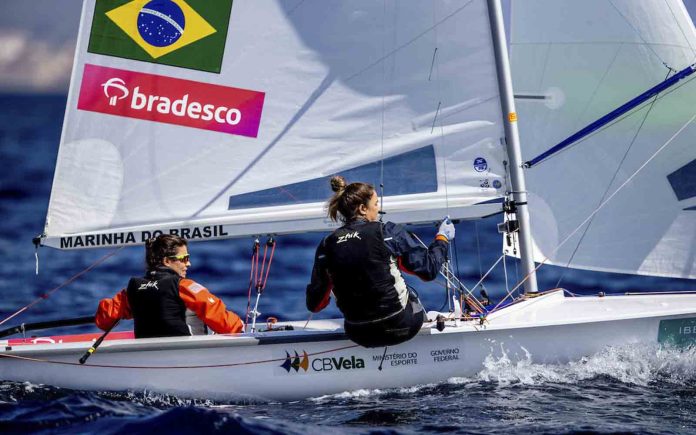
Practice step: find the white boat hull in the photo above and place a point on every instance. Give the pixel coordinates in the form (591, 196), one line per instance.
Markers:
(547, 329)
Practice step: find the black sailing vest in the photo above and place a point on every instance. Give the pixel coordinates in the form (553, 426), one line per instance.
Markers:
(358, 262)
(157, 309)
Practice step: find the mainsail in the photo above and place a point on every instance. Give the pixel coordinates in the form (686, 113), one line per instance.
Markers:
(221, 119)
(574, 62)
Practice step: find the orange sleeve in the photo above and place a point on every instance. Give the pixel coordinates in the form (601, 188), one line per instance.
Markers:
(210, 309)
(111, 310)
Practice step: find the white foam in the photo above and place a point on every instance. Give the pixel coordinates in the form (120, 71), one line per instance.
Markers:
(627, 364)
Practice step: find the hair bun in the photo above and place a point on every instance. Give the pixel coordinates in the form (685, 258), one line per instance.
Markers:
(338, 183)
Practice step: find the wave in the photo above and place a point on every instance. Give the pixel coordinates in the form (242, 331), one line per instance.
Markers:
(642, 366)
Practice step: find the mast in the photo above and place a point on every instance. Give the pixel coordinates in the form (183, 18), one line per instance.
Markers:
(519, 189)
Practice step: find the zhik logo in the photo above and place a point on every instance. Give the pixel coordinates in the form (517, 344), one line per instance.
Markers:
(117, 84)
(345, 237)
(147, 285)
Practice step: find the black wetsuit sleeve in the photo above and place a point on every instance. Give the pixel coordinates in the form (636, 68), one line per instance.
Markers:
(319, 288)
(413, 257)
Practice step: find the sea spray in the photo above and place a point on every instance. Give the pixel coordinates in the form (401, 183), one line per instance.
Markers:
(626, 364)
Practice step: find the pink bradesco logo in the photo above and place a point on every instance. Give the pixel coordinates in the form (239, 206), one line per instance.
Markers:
(170, 100)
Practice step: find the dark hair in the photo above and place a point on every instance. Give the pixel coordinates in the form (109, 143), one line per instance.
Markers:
(160, 247)
(348, 199)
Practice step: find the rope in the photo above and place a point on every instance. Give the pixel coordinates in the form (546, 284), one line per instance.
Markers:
(308, 319)
(73, 278)
(270, 260)
(606, 191)
(261, 279)
(450, 278)
(207, 366)
(381, 139)
(254, 265)
(686, 38)
(628, 180)
(650, 47)
(478, 248)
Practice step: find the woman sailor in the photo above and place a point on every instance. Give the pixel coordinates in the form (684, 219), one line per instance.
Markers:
(165, 303)
(360, 263)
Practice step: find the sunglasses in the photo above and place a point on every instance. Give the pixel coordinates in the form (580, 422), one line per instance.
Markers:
(183, 258)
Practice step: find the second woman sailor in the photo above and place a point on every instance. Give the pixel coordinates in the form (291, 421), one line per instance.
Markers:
(361, 262)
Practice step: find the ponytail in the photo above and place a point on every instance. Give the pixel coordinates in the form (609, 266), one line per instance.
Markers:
(344, 204)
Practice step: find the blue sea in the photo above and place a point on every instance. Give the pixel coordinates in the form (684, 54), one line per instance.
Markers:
(622, 390)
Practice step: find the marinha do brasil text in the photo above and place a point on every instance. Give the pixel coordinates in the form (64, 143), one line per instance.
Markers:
(124, 238)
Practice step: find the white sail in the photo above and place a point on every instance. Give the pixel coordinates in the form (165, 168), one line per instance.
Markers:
(574, 62)
(399, 92)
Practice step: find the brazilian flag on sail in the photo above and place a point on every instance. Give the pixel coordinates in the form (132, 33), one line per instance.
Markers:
(184, 33)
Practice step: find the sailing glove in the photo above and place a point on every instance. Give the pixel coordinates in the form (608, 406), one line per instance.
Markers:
(446, 229)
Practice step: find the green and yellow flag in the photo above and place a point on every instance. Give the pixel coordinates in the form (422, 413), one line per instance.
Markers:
(184, 33)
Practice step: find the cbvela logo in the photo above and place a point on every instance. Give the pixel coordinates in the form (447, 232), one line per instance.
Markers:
(320, 364)
(296, 363)
(171, 100)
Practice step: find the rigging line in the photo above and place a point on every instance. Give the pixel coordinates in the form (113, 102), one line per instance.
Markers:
(542, 76)
(628, 180)
(73, 278)
(437, 111)
(681, 29)
(611, 182)
(409, 42)
(517, 270)
(505, 272)
(456, 261)
(294, 8)
(270, 260)
(308, 319)
(478, 248)
(381, 160)
(596, 89)
(450, 278)
(611, 2)
(254, 256)
(438, 83)
(591, 130)
(432, 63)
(488, 272)
(459, 283)
(206, 366)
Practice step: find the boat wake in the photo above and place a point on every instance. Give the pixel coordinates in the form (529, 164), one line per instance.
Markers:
(629, 365)
(640, 366)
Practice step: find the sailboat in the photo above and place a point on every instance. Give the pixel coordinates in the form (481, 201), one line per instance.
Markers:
(223, 120)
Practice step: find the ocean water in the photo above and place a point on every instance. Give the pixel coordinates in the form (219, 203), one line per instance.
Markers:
(636, 390)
